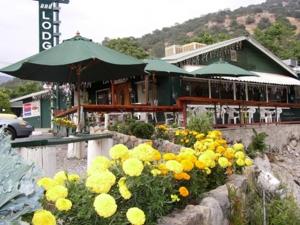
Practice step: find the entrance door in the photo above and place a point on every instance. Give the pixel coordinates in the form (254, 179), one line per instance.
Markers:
(122, 94)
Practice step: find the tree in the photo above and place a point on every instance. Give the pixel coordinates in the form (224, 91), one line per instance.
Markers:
(281, 39)
(17, 88)
(4, 102)
(128, 46)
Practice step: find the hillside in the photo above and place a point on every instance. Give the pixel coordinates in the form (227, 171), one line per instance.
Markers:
(242, 21)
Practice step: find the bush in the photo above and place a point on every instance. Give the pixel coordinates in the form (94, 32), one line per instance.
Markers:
(142, 130)
(250, 20)
(202, 123)
(258, 144)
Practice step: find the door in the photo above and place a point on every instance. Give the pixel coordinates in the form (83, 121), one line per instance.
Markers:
(122, 93)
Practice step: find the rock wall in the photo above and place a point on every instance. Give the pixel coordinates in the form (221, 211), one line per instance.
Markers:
(214, 208)
(279, 136)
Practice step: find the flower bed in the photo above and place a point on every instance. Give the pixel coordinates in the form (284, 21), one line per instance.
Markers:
(140, 185)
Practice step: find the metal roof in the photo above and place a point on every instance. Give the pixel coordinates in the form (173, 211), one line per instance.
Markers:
(29, 95)
(186, 55)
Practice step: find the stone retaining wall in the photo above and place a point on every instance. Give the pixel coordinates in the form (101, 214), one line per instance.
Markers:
(279, 136)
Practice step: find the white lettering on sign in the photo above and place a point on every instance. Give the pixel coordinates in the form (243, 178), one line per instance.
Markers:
(46, 6)
(44, 17)
(46, 36)
(46, 25)
(46, 45)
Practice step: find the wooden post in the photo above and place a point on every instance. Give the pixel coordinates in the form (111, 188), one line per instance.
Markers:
(209, 88)
(267, 94)
(113, 99)
(78, 70)
(184, 115)
(246, 92)
(234, 91)
(146, 89)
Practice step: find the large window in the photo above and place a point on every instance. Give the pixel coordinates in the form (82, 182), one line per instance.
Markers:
(256, 92)
(240, 91)
(200, 88)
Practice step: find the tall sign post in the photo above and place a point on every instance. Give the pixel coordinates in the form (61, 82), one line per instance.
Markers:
(49, 35)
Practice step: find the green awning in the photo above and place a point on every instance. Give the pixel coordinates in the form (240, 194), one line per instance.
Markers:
(222, 69)
(58, 63)
(159, 66)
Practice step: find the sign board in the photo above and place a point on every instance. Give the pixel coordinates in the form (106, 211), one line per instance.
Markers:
(31, 109)
(47, 22)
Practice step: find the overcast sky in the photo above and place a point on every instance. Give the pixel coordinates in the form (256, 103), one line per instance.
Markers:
(97, 19)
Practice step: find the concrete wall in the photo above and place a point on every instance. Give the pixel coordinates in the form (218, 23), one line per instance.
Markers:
(278, 136)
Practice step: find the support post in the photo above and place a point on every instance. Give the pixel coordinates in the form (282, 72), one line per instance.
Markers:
(146, 89)
(78, 70)
(209, 88)
(97, 148)
(246, 92)
(267, 94)
(113, 99)
(234, 91)
(184, 115)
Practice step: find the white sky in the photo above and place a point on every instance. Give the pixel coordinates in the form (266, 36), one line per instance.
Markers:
(97, 19)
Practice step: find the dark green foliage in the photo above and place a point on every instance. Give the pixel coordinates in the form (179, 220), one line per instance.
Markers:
(258, 144)
(142, 130)
(134, 127)
(264, 23)
(128, 46)
(17, 88)
(4, 102)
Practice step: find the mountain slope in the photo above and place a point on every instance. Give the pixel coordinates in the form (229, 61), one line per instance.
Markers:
(242, 21)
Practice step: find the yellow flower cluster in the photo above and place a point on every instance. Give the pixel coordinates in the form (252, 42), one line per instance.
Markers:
(57, 193)
(187, 137)
(64, 122)
(108, 179)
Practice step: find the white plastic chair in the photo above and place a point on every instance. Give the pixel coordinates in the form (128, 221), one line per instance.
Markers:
(279, 111)
(169, 118)
(231, 115)
(251, 112)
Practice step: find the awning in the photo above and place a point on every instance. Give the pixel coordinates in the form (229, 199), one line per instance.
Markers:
(267, 78)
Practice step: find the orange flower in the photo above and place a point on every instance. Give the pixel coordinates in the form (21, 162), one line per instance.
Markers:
(183, 191)
(182, 176)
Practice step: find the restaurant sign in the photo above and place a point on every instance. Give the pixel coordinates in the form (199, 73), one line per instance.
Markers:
(31, 109)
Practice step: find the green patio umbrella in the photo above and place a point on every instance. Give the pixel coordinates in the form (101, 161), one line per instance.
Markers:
(75, 60)
(222, 68)
(163, 67)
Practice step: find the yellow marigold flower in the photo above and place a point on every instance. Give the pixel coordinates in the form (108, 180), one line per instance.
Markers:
(177, 132)
(169, 156)
(47, 183)
(175, 198)
(200, 164)
(229, 153)
(183, 191)
(136, 216)
(181, 140)
(239, 155)
(182, 176)
(63, 204)
(223, 162)
(220, 149)
(125, 193)
(240, 162)
(99, 164)
(174, 166)
(238, 147)
(143, 152)
(73, 177)
(105, 205)
(118, 151)
(248, 162)
(60, 177)
(208, 171)
(133, 167)
(156, 155)
(155, 172)
(187, 141)
(187, 165)
(163, 169)
(56, 192)
(200, 136)
(43, 217)
(101, 182)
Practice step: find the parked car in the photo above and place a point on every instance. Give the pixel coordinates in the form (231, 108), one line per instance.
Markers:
(14, 126)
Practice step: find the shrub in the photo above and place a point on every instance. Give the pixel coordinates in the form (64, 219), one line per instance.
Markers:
(140, 178)
(258, 143)
(201, 123)
(250, 20)
(142, 130)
